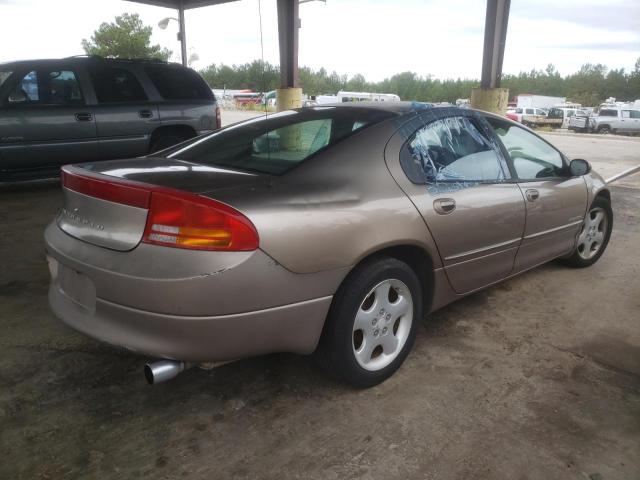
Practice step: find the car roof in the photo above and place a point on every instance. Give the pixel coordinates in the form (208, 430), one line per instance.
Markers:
(84, 59)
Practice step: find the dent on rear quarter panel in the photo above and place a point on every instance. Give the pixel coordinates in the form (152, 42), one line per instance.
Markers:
(336, 208)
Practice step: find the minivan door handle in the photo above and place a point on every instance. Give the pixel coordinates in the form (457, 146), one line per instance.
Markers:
(444, 206)
(84, 117)
(532, 194)
(145, 113)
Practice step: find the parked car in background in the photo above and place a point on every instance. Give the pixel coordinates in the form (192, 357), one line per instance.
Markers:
(616, 118)
(53, 112)
(334, 230)
(518, 113)
(565, 113)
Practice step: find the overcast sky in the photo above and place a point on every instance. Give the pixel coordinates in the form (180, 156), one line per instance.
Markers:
(377, 38)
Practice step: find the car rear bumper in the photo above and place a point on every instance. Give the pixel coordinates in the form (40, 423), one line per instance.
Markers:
(290, 328)
(185, 305)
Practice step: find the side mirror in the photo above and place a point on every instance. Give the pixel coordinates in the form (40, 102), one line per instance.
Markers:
(579, 167)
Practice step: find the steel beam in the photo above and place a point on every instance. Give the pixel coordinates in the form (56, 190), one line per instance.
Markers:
(182, 36)
(495, 35)
(288, 24)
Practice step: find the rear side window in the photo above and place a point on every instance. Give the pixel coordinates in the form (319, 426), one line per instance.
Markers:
(608, 113)
(635, 113)
(450, 149)
(116, 85)
(175, 83)
(280, 142)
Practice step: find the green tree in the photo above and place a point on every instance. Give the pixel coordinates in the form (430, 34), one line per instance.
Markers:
(127, 37)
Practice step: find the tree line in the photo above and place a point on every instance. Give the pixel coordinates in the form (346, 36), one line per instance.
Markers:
(589, 86)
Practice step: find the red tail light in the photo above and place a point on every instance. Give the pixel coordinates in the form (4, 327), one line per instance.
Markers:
(175, 218)
(184, 220)
(218, 118)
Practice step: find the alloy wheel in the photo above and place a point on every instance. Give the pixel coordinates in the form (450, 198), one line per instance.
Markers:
(593, 232)
(382, 324)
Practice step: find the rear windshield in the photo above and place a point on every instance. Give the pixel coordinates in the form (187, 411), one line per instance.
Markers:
(277, 144)
(175, 83)
(4, 74)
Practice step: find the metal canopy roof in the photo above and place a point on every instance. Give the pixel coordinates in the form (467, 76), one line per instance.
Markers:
(186, 4)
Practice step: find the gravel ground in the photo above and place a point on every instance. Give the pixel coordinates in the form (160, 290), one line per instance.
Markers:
(538, 377)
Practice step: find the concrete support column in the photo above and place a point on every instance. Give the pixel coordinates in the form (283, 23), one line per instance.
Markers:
(490, 99)
(288, 98)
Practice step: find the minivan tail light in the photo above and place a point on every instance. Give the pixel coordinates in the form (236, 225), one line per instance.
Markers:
(184, 220)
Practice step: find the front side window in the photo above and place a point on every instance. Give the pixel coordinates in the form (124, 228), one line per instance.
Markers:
(626, 113)
(26, 91)
(50, 87)
(450, 149)
(175, 83)
(608, 113)
(532, 157)
(529, 111)
(116, 85)
(635, 113)
(276, 144)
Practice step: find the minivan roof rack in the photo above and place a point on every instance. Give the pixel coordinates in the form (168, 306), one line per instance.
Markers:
(112, 59)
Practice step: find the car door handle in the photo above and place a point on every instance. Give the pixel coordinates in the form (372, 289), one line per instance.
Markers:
(532, 194)
(84, 117)
(145, 113)
(444, 206)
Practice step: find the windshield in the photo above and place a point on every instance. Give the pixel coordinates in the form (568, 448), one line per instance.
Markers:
(278, 143)
(4, 74)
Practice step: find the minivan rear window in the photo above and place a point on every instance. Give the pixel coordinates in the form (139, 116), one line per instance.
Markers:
(276, 144)
(177, 83)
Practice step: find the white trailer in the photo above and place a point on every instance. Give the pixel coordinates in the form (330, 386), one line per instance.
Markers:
(527, 100)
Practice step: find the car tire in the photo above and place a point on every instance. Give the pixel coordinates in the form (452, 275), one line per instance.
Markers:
(367, 356)
(594, 236)
(604, 130)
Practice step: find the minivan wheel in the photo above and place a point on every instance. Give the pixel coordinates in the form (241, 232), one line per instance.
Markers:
(372, 322)
(167, 140)
(594, 235)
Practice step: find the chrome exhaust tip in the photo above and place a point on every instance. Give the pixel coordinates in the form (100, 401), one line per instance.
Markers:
(163, 370)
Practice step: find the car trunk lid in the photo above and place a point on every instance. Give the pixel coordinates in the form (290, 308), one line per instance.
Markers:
(107, 203)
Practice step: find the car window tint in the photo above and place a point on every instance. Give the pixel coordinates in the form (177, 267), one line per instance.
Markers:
(60, 87)
(450, 149)
(278, 143)
(175, 83)
(115, 85)
(532, 157)
(26, 91)
(608, 113)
